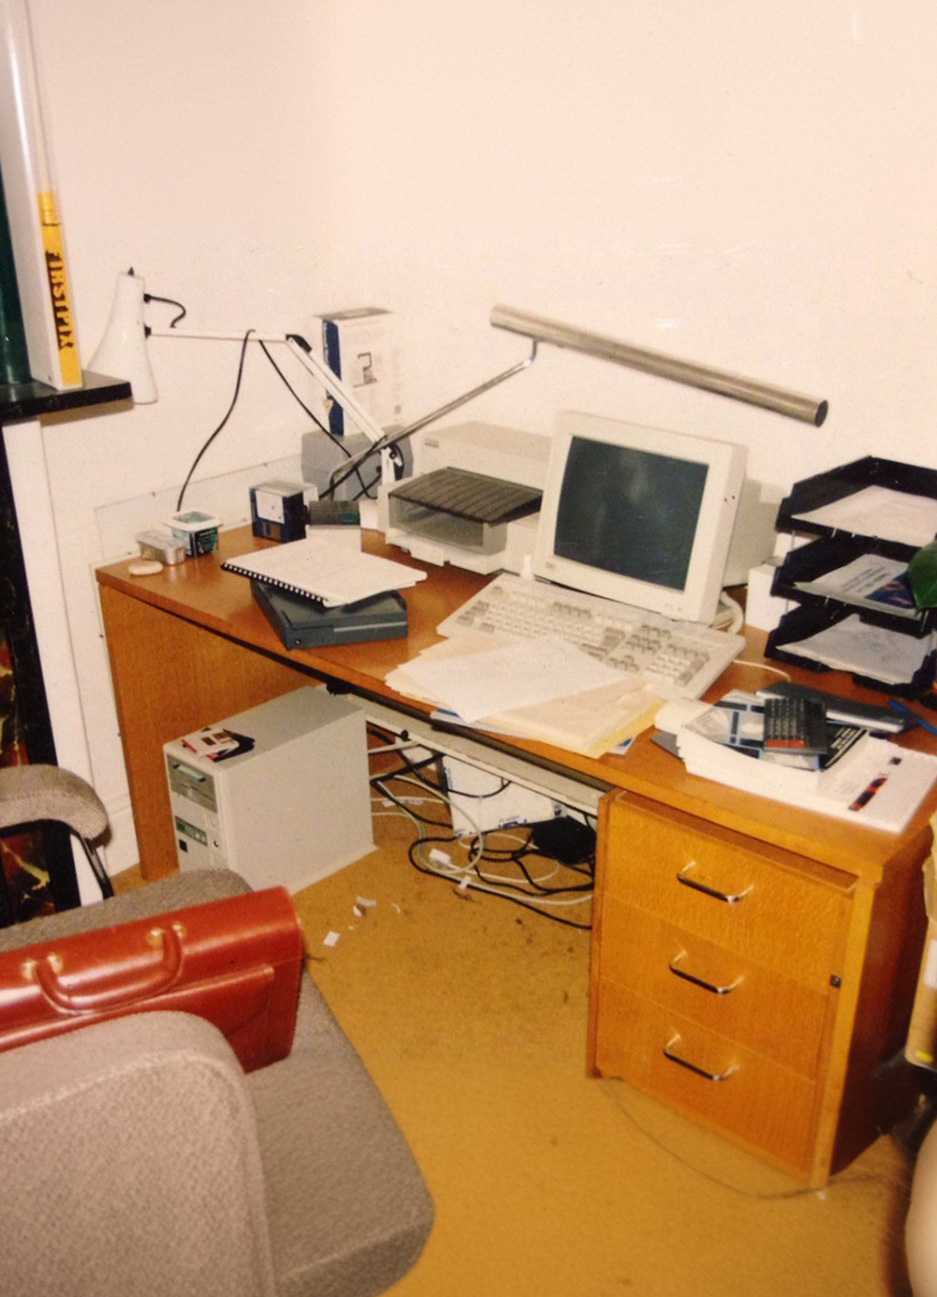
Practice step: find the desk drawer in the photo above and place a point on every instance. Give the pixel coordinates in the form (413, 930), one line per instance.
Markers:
(710, 882)
(721, 990)
(756, 1102)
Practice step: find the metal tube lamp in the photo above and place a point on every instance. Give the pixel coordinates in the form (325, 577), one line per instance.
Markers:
(806, 408)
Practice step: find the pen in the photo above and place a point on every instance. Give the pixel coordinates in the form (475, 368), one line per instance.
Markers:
(912, 716)
(866, 796)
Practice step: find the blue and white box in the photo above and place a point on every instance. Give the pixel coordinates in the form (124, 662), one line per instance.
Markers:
(360, 347)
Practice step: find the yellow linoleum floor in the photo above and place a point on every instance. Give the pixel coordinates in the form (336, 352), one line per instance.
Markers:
(471, 1016)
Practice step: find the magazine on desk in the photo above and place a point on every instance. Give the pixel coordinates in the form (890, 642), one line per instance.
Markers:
(862, 779)
(880, 584)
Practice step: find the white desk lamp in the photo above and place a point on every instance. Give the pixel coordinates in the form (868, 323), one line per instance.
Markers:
(123, 354)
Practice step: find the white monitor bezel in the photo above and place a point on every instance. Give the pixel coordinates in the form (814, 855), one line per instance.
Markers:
(725, 476)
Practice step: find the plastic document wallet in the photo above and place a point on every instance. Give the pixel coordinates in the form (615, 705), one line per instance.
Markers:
(236, 962)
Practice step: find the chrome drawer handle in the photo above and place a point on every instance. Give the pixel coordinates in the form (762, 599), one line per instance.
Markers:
(699, 981)
(692, 1067)
(711, 891)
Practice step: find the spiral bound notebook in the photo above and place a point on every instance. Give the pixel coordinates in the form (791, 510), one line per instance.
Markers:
(324, 570)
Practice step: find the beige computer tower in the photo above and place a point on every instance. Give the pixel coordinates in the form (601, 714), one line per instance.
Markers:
(289, 808)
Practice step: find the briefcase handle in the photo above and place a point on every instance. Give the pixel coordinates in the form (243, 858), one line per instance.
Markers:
(47, 971)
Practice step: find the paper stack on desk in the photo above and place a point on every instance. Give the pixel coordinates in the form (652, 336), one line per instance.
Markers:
(524, 689)
(325, 570)
(863, 779)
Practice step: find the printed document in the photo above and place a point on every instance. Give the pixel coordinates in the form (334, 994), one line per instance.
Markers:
(606, 707)
(509, 676)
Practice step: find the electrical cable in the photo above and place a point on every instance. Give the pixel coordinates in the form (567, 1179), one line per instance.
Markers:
(529, 892)
(410, 766)
(168, 301)
(478, 797)
(541, 895)
(538, 882)
(497, 886)
(493, 855)
(434, 824)
(616, 1097)
(366, 487)
(374, 449)
(761, 666)
(299, 400)
(351, 472)
(336, 441)
(733, 612)
(395, 747)
(208, 442)
(532, 904)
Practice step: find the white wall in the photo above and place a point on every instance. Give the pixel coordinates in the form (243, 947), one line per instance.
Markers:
(750, 186)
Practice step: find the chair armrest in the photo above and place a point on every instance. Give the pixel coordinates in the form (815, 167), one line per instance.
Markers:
(360, 1221)
(129, 1164)
(41, 792)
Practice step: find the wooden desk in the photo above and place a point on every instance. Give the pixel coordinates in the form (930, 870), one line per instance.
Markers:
(775, 1019)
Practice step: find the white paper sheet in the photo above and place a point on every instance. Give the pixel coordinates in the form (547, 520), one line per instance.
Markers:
(511, 676)
(325, 569)
(879, 511)
(854, 645)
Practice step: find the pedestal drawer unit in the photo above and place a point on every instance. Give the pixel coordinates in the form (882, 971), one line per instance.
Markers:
(727, 975)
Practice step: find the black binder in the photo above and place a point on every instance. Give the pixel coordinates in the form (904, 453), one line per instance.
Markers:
(303, 623)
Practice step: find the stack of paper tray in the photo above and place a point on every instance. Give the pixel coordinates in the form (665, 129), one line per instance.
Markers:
(870, 517)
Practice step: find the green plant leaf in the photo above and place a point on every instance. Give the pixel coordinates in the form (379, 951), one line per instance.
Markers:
(922, 573)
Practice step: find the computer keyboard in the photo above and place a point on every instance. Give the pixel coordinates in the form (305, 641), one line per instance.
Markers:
(677, 659)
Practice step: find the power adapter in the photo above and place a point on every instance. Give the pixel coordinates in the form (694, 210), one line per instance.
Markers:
(564, 839)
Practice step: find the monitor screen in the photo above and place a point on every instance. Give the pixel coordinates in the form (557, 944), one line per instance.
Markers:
(640, 515)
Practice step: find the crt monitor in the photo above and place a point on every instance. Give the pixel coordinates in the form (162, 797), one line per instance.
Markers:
(639, 515)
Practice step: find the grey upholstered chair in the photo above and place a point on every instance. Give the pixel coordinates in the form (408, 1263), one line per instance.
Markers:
(921, 1222)
(137, 1158)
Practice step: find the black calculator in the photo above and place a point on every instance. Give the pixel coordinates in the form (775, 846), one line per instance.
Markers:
(796, 725)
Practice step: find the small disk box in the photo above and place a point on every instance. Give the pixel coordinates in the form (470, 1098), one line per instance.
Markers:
(278, 509)
(288, 805)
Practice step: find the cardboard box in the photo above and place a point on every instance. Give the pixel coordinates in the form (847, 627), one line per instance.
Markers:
(921, 1047)
(360, 347)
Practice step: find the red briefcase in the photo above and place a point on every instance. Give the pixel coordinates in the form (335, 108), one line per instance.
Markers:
(236, 962)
